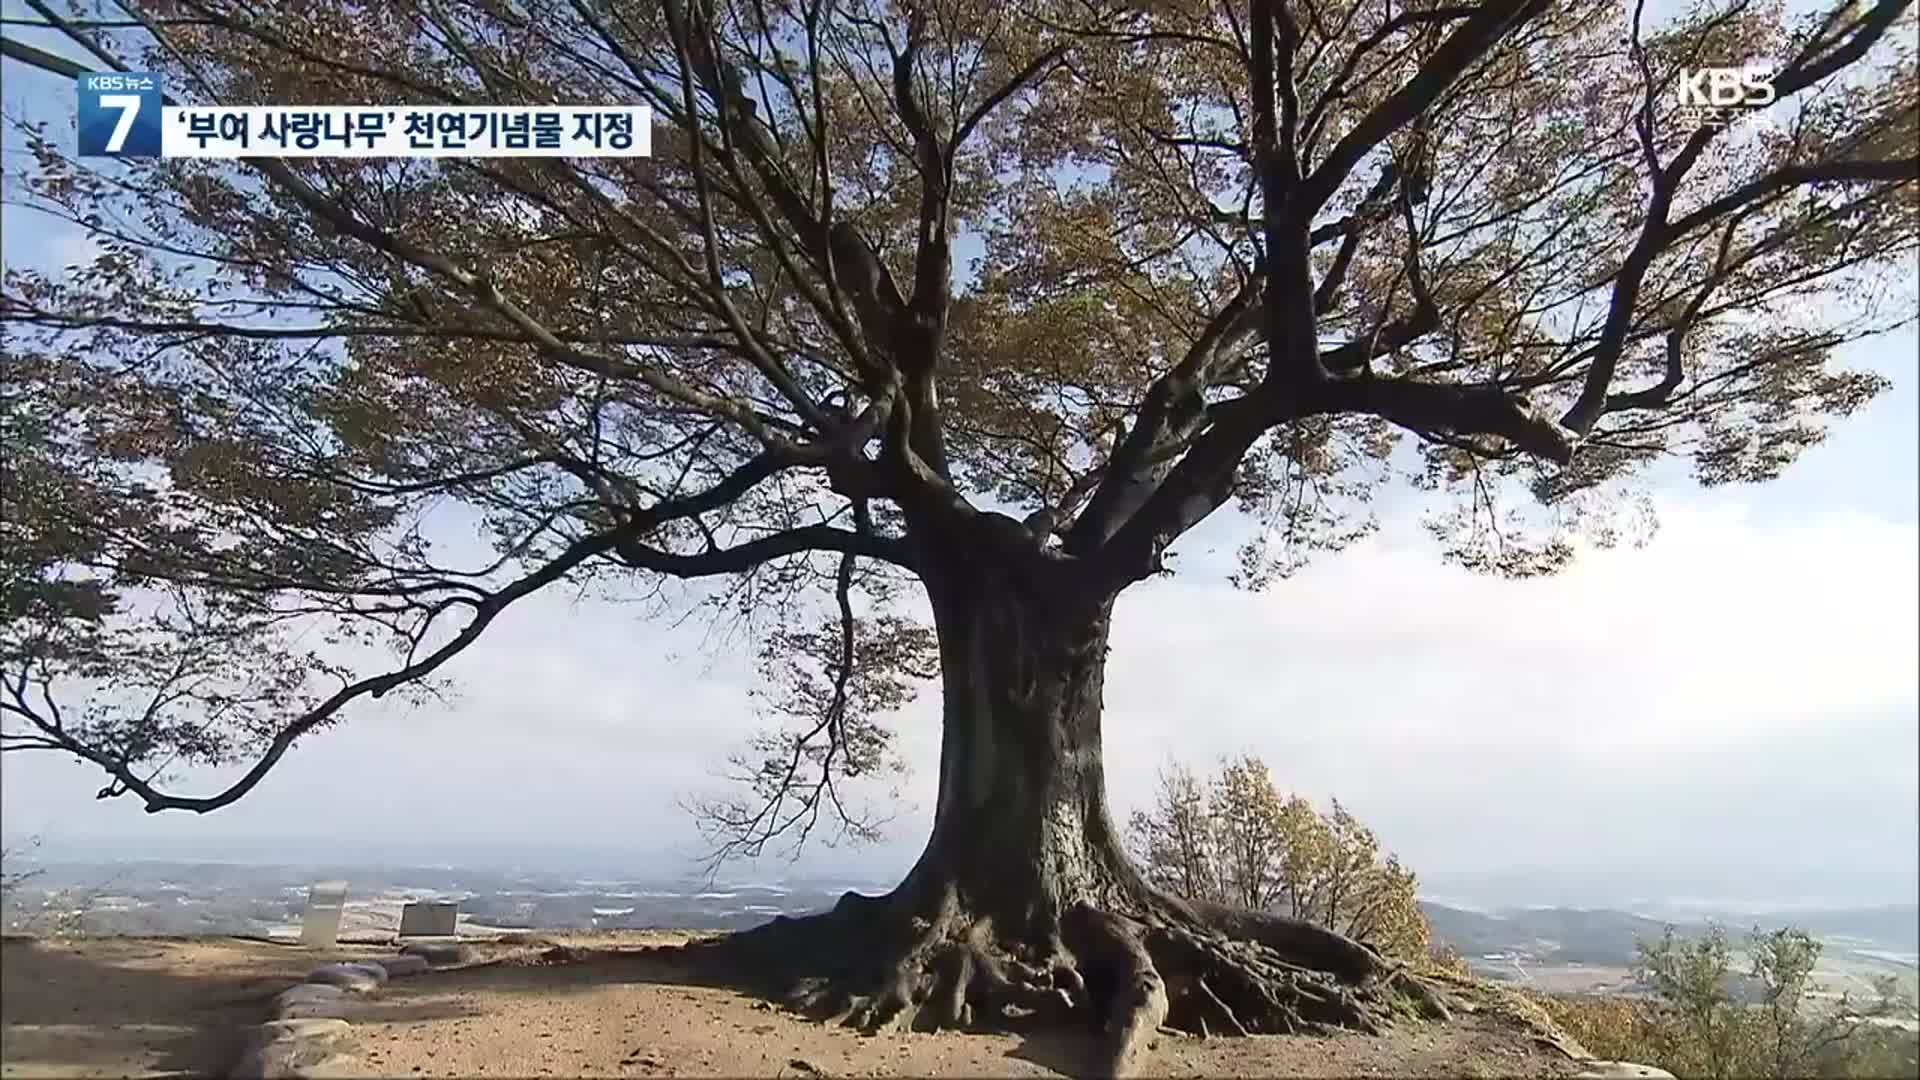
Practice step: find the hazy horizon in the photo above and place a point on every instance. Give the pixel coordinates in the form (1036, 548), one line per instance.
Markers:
(879, 867)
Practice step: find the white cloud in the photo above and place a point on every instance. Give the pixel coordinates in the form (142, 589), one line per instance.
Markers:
(1725, 697)
(1718, 627)
(1646, 708)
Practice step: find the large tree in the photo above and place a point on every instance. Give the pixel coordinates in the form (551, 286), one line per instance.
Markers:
(1273, 254)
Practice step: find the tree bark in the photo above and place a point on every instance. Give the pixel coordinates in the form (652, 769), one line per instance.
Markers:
(1021, 828)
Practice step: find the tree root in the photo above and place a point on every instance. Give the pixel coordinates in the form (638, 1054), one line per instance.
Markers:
(1136, 1002)
(869, 965)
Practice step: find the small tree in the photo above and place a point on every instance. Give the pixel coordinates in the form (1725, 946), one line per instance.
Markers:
(1443, 957)
(1705, 1032)
(1304, 858)
(1783, 961)
(1254, 831)
(1875, 1051)
(1799, 1037)
(1691, 975)
(11, 875)
(1237, 840)
(1608, 1026)
(1173, 843)
(60, 912)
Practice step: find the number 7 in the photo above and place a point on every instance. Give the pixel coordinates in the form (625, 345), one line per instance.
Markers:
(129, 106)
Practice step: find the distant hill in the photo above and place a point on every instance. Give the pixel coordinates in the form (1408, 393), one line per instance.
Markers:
(1564, 935)
(1604, 936)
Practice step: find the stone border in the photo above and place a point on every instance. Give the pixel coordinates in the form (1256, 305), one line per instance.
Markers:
(309, 1034)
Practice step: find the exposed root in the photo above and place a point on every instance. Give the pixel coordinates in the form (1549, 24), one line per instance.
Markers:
(1135, 1003)
(1425, 998)
(874, 966)
(1307, 944)
(1209, 1007)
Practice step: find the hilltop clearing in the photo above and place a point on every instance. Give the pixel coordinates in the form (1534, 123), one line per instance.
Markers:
(140, 1006)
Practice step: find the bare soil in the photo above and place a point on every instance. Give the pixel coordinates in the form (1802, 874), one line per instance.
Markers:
(599, 1007)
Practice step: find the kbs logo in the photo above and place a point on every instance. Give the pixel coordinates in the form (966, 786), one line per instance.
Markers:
(1716, 96)
(119, 114)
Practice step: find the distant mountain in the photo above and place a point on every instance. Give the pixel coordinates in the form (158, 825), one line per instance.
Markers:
(1608, 937)
(1563, 935)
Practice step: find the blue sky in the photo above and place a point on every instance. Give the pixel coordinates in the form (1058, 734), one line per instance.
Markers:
(1727, 714)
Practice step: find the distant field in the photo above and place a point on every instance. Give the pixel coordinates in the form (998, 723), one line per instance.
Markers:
(146, 899)
(1566, 978)
(1851, 972)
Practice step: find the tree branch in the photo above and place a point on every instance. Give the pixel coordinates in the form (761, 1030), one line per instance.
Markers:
(1656, 235)
(1789, 176)
(1171, 414)
(1465, 46)
(745, 556)
(126, 780)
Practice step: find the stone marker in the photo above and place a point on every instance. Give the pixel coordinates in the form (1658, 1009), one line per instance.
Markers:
(430, 918)
(320, 928)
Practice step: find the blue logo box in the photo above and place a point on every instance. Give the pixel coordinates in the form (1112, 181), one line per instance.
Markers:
(119, 114)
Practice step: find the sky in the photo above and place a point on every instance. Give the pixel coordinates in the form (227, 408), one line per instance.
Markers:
(1730, 714)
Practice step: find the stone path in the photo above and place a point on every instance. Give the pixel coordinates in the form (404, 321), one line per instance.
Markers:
(310, 1034)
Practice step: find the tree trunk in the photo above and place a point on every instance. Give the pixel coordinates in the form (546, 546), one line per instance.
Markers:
(1021, 829)
(1024, 903)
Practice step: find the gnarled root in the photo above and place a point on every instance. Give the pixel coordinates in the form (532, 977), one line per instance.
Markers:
(1135, 1001)
(864, 965)
(870, 964)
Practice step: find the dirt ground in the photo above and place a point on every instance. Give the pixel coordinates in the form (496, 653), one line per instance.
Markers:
(147, 1006)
